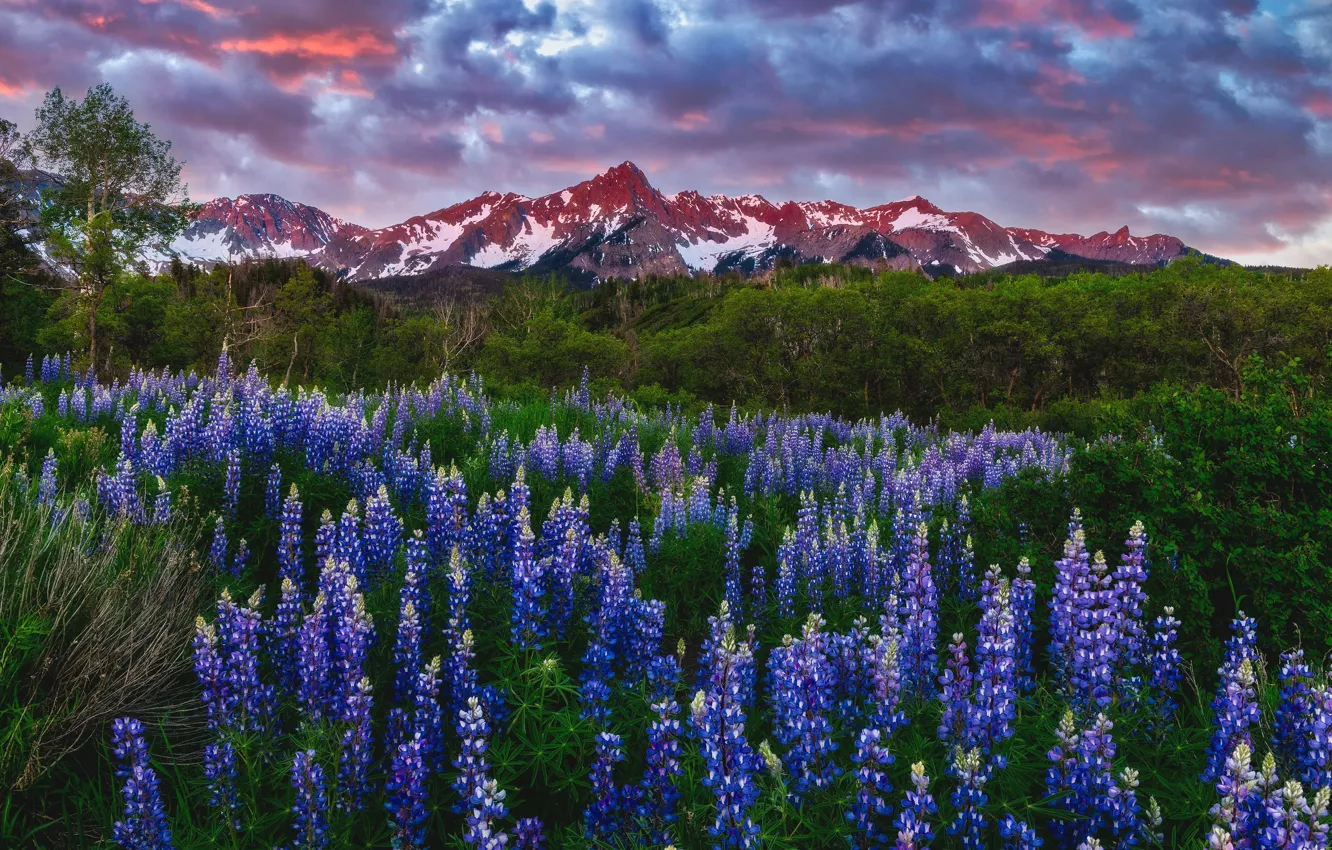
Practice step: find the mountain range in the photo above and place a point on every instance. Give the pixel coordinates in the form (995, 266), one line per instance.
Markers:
(617, 225)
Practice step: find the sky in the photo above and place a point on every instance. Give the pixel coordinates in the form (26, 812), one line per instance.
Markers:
(1207, 119)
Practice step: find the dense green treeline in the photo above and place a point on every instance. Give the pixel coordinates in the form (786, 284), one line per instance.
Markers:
(1019, 350)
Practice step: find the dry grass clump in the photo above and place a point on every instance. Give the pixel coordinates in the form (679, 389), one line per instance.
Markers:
(95, 622)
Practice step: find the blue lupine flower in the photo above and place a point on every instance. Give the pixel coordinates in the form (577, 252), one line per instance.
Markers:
(311, 809)
(871, 758)
(220, 771)
(144, 826)
(604, 816)
(972, 773)
(919, 616)
(528, 835)
(1235, 706)
(407, 794)
(915, 830)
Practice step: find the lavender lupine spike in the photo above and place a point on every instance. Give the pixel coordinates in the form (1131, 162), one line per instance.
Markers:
(407, 794)
(482, 802)
(802, 696)
(407, 652)
(1164, 663)
(718, 717)
(357, 749)
(218, 549)
(290, 564)
(529, 590)
(1234, 707)
(528, 834)
(1071, 596)
(1237, 786)
(1293, 730)
(955, 694)
(1017, 835)
(220, 771)
(1129, 599)
(915, 829)
(144, 826)
(996, 665)
(46, 485)
(871, 759)
(1092, 663)
(660, 796)
(919, 617)
(231, 486)
(969, 798)
(603, 817)
(273, 493)
(311, 810)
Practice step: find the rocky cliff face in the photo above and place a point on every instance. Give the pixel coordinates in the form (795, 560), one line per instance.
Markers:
(617, 225)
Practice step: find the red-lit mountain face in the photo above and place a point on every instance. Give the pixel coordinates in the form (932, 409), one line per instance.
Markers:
(618, 225)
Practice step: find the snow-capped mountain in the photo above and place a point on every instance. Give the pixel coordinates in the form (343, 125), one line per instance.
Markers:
(253, 226)
(617, 225)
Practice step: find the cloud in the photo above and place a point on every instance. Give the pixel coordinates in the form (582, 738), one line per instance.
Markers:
(1209, 120)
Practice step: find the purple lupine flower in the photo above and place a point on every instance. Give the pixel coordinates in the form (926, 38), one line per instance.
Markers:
(145, 823)
(955, 686)
(231, 485)
(718, 717)
(996, 665)
(215, 689)
(239, 629)
(162, 504)
(1293, 728)
(972, 773)
(1071, 596)
(1081, 776)
(527, 834)
(1164, 662)
(734, 593)
(407, 794)
(914, 823)
(326, 540)
(482, 802)
(786, 577)
(1092, 662)
(357, 749)
(1017, 835)
(290, 564)
(594, 686)
(314, 660)
(238, 560)
(460, 597)
(46, 485)
(1235, 706)
(1239, 808)
(603, 817)
(273, 493)
(381, 534)
(220, 771)
(529, 580)
(919, 616)
(407, 652)
(802, 697)
(659, 797)
(635, 556)
(1129, 598)
(311, 809)
(217, 551)
(286, 631)
(871, 758)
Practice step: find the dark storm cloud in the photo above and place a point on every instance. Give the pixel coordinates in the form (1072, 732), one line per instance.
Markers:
(1210, 120)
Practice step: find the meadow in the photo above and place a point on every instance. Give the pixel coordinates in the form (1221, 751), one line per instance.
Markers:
(241, 614)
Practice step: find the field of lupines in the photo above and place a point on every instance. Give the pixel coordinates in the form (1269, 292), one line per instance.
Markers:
(443, 620)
